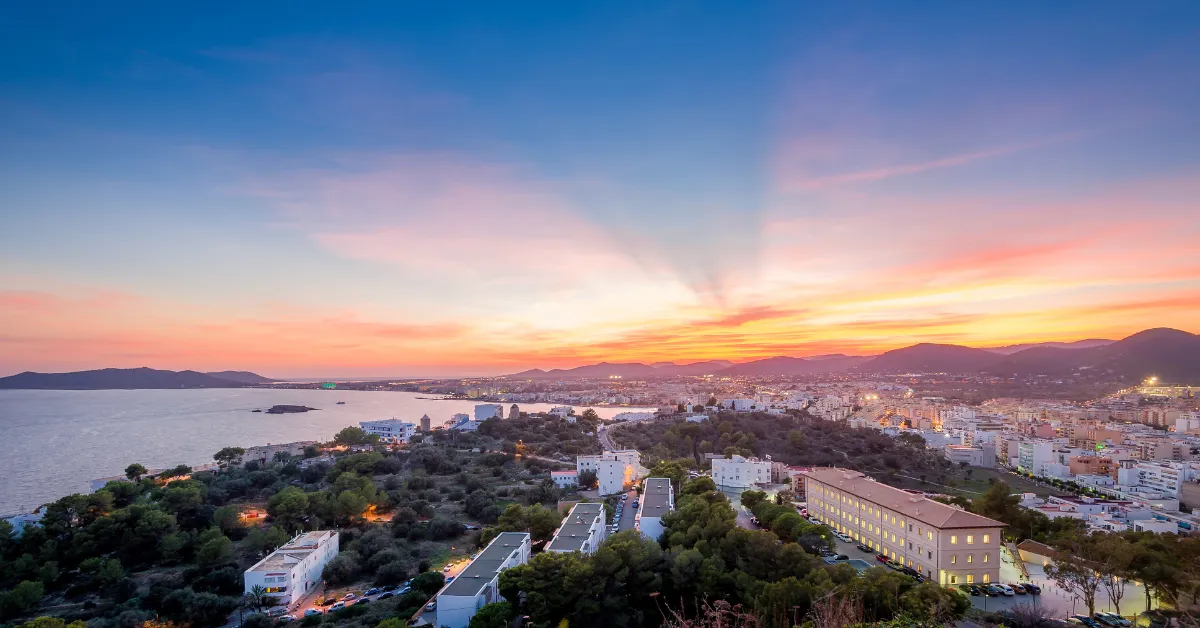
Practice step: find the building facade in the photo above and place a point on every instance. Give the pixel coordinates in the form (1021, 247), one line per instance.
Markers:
(658, 499)
(479, 582)
(294, 570)
(945, 544)
(485, 411)
(740, 472)
(583, 530)
(615, 470)
(390, 430)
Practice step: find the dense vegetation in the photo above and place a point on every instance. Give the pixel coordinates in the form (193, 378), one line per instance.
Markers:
(175, 546)
(794, 438)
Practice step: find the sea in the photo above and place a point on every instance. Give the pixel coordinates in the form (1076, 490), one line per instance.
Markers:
(55, 442)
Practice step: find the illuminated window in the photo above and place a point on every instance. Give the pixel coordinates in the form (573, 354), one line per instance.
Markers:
(970, 539)
(987, 538)
(953, 559)
(894, 520)
(930, 535)
(920, 531)
(953, 578)
(970, 578)
(987, 578)
(987, 558)
(954, 539)
(970, 558)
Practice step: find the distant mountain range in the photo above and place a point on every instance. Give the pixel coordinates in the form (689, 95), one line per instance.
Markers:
(129, 379)
(1171, 354)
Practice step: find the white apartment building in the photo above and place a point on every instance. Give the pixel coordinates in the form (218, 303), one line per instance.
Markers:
(1033, 456)
(390, 430)
(562, 412)
(614, 470)
(978, 456)
(479, 582)
(946, 544)
(583, 530)
(740, 472)
(294, 570)
(1164, 478)
(485, 411)
(658, 499)
(738, 405)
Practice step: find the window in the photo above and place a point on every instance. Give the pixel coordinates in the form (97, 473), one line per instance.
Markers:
(953, 578)
(893, 537)
(970, 578)
(893, 519)
(910, 527)
(987, 578)
(987, 558)
(953, 559)
(930, 535)
(920, 531)
(970, 558)
(987, 538)
(954, 539)
(970, 539)
(930, 554)
(902, 525)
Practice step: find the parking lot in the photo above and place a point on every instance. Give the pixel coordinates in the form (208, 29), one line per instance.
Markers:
(628, 512)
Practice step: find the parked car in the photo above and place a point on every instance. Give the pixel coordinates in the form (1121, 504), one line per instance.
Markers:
(994, 591)
(371, 591)
(446, 568)
(386, 594)
(1018, 589)
(327, 602)
(285, 619)
(276, 611)
(430, 606)
(842, 557)
(313, 611)
(337, 607)
(404, 589)
(1032, 588)
(1087, 621)
(390, 587)
(1005, 589)
(1111, 619)
(863, 548)
(349, 596)
(881, 558)
(975, 590)
(362, 601)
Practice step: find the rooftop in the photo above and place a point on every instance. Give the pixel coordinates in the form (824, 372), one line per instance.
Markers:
(293, 551)
(308, 540)
(575, 529)
(656, 498)
(908, 504)
(486, 565)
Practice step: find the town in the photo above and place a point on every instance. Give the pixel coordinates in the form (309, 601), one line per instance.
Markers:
(1006, 509)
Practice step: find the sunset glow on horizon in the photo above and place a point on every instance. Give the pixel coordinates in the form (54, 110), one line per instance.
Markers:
(419, 194)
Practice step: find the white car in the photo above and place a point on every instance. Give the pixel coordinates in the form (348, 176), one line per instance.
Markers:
(313, 611)
(1008, 591)
(337, 607)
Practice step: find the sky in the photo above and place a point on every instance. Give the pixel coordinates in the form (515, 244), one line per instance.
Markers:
(435, 189)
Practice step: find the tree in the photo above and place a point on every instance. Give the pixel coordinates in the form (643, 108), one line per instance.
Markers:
(428, 583)
(23, 597)
(351, 436)
(930, 602)
(587, 479)
(135, 472)
(228, 456)
(1073, 575)
(52, 622)
(289, 508)
(214, 549)
(494, 615)
(1113, 557)
(676, 470)
(257, 597)
(750, 499)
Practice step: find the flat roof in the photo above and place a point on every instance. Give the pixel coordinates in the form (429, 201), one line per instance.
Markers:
(486, 565)
(656, 497)
(916, 507)
(308, 540)
(292, 552)
(573, 532)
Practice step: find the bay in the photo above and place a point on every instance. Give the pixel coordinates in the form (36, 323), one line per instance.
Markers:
(55, 442)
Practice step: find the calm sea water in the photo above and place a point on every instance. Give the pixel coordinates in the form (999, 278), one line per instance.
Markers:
(53, 443)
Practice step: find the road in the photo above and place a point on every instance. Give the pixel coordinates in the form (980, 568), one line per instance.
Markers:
(605, 439)
(628, 513)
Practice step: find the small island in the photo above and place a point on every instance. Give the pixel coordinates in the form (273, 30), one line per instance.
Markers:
(288, 409)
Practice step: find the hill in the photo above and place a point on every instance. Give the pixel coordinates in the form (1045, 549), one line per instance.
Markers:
(931, 358)
(1170, 354)
(787, 366)
(245, 377)
(1078, 344)
(105, 379)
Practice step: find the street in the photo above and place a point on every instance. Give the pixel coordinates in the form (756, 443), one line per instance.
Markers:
(628, 513)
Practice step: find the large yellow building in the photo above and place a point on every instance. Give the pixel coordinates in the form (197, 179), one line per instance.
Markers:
(944, 543)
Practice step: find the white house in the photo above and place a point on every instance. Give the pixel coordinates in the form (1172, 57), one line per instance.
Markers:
(740, 472)
(614, 470)
(390, 430)
(485, 411)
(464, 423)
(479, 582)
(294, 570)
(563, 479)
(583, 530)
(562, 412)
(658, 499)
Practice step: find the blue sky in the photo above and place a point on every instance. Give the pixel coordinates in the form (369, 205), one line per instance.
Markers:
(550, 183)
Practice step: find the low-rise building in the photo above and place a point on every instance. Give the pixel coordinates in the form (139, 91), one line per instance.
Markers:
(615, 470)
(564, 479)
(977, 456)
(485, 411)
(294, 570)
(740, 472)
(944, 543)
(658, 499)
(267, 453)
(583, 530)
(389, 430)
(479, 582)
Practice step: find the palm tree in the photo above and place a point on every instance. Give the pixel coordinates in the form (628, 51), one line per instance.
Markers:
(257, 597)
